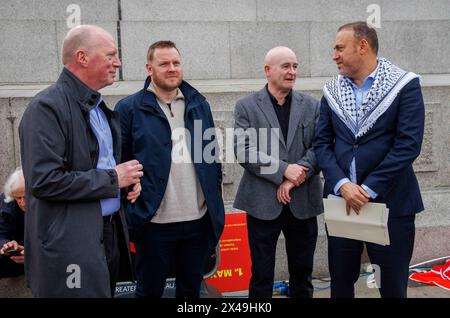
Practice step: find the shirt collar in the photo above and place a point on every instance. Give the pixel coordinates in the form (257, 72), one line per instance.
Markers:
(369, 79)
(99, 101)
(151, 88)
(274, 100)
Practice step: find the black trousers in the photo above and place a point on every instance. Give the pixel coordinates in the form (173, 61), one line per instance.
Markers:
(182, 247)
(301, 238)
(112, 253)
(344, 259)
(9, 268)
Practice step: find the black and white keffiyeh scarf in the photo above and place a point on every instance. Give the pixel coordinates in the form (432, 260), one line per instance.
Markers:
(388, 82)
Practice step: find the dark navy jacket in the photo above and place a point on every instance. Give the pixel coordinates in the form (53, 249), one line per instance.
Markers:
(146, 137)
(11, 222)
(384, 155)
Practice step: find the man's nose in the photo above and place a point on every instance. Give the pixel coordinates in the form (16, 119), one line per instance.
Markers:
(171, 67)
(335, 56)
(117, 62)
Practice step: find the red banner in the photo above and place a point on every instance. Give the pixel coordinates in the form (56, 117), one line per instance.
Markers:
(234, 269)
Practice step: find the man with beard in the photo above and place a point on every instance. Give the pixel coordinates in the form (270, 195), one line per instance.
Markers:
(369, 133)
(180, 215)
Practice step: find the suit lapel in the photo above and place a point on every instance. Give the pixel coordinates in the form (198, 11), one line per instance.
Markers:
(294, 118)
(266, 106)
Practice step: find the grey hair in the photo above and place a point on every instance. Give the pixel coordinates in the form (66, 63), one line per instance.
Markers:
(11, 184)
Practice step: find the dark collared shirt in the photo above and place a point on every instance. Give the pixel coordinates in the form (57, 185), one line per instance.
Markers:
(283, 112)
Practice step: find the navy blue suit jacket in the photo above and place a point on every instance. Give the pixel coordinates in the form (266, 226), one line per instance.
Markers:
(384, 155)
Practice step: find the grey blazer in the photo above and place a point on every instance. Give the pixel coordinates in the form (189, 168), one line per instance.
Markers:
(264, 168)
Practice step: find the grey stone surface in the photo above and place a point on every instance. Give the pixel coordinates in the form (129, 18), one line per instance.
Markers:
(439, 105)
(18, 106)
(426, 160)
(17, 9)
(437, 209)
(351, 10)
(251, 41)
(223, 39)
(321, 10)
(51, 10)
(25, 59)
(431, 242)
(416, 46)
(322, 36)
(407, 10)
(189, 10)
(6, 142)
(204, 47)
(14, 287)
(224, 102)
(405, 43)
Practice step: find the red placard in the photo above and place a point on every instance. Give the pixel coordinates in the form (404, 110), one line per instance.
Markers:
(234, 269)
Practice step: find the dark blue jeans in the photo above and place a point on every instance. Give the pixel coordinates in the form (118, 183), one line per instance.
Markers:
(301, 238)
(160, 247)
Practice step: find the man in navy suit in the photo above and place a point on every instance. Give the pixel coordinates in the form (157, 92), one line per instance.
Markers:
(369, 133)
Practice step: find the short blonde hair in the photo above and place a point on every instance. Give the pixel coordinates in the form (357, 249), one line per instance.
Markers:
(12, 184)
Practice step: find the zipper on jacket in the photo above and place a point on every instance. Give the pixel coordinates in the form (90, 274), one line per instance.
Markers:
(170, 109)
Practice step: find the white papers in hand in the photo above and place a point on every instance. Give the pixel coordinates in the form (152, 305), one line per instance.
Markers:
(369, 226)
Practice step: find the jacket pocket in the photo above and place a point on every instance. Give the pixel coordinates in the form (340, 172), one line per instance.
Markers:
(55, 228)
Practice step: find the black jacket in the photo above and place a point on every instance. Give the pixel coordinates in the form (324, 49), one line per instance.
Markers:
(11, 222)
(64, 224)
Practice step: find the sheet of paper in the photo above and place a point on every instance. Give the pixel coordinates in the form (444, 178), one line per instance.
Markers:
(369, 226)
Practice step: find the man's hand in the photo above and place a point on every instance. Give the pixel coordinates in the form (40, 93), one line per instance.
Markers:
(296, 174)
(135, 193)
(13, 246)
(283, 192)
(354, 195)
(129, 173)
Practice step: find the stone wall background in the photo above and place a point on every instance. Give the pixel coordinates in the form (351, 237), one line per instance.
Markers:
(221, 39)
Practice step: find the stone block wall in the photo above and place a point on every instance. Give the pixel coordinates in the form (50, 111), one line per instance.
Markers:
(221, 39)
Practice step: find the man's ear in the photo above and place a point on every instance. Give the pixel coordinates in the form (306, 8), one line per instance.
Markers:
(266, 69)
(149, 69)
(82, 58)
(364, 46)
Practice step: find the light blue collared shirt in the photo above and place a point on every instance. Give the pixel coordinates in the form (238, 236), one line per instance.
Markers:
(361, 93)
(102, 131)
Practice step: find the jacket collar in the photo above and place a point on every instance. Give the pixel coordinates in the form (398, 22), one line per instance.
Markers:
(297, 114)
(192, 97)
(266, 106)
(86, 96)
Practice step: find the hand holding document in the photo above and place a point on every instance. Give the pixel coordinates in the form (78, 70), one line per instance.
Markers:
(369, 226)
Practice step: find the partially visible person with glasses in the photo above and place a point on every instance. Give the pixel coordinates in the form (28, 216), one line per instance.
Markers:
(12, 216)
